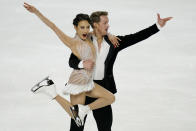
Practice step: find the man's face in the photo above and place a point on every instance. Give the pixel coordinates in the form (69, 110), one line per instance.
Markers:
(103, 25)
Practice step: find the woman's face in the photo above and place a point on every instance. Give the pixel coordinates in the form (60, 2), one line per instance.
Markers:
(82, 29)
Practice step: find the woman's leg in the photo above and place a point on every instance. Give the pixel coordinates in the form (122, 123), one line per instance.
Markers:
(104, 96)
(47, 87)
(75, 99)
(76, 112)
(78, 99)
(64, 103)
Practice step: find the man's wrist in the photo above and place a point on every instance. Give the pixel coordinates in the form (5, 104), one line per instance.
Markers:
(158, 26)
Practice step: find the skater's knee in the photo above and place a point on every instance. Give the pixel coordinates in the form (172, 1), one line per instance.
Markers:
(111, 98)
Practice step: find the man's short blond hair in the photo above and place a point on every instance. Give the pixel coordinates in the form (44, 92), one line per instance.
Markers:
(95, 16)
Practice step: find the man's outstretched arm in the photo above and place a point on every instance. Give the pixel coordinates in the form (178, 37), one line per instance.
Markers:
(132, 39)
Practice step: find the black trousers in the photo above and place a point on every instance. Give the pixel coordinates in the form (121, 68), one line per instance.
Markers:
(103, 116)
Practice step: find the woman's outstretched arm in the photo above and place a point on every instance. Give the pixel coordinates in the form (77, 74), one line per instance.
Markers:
(68, 41)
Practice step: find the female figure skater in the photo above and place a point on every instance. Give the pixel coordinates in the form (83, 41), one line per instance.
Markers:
(80, 83)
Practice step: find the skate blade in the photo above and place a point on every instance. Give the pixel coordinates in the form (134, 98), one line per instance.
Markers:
(76, 118)
(37, 86)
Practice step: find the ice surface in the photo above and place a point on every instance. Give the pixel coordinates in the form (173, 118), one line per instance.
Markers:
(156, 79)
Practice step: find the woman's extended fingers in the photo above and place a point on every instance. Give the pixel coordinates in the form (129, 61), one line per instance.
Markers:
(26, 5)
(117, 41)
(29, 7)
(118, 38)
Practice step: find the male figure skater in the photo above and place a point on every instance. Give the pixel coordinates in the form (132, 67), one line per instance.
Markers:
(106, 56)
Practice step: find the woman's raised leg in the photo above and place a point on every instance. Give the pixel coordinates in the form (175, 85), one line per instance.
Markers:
(104, 96)
(65, 104)
(75, 99)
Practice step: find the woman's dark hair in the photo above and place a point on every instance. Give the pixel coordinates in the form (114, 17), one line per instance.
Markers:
(80, 17)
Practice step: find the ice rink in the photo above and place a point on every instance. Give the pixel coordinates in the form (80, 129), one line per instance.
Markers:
(156, 78)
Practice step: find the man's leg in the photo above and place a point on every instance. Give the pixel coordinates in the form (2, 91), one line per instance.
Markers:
(104, 118)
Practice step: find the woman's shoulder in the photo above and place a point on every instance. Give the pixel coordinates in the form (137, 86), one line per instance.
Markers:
(76, 41)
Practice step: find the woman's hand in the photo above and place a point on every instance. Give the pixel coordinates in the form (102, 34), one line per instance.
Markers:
(30, 8)
(114, 39)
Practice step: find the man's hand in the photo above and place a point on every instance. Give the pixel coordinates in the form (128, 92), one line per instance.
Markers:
(162, 21)
(88, 64)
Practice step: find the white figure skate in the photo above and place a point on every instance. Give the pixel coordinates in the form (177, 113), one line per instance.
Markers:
(79, 112)
(45, 86)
